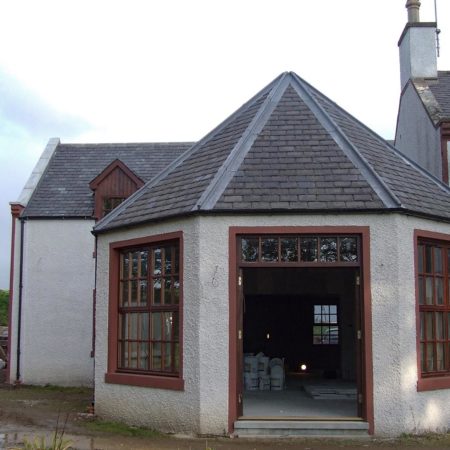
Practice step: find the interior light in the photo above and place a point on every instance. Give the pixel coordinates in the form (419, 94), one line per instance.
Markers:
(303, 367)
(268, 335)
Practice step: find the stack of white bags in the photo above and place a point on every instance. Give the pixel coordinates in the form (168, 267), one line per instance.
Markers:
(262, 373)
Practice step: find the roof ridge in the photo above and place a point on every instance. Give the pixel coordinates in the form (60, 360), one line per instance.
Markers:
(123, 144)
(386, 195)
(102, 224)
(234, 159)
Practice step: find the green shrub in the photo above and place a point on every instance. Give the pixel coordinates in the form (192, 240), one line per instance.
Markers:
(4, 300)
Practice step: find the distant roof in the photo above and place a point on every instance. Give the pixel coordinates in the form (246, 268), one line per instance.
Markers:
(435, 96)
(287, 149)
(63, 190)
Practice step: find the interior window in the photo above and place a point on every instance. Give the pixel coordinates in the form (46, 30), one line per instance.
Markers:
(325, 328)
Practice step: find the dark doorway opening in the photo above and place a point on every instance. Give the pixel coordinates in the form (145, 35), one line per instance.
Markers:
(309, 319)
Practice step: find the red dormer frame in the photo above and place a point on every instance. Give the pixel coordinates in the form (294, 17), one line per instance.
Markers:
(115, 182)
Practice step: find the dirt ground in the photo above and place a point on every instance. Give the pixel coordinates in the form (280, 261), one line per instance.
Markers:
(28, 412)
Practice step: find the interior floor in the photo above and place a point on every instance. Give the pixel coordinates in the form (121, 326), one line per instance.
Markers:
(295, 401)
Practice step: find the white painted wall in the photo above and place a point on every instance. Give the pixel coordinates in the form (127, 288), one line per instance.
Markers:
(57, 309)
(202, 407)
(416, 135)
(165, 410)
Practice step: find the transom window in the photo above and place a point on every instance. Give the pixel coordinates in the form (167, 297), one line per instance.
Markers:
(434, 307)
(325, 328)
(299, 249)
(149, 299)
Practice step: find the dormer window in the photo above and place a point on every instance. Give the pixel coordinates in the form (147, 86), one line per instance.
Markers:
(112, 186)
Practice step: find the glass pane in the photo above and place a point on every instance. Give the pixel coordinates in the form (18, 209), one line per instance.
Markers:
(328, 249)
(317, 309)
(176, 327)
(143, 291)
(177, 357)
(430, 358)
(157, 261)
(348, 249)
(167, 291)
(429, 324)
(439, 325)
(422, 326)
(249, 249)
(420, 258)
(422, 357)
(134, 264)
(269, 249)
(177, 259)
(333, 318)
(308, 249)
(167, 336)
(429, 290)
(333, 309)
(143, 355)
(123, 326)
(289, 250)
(167, 363)
(440, 357)
(134, 354)
(325, 309)
(157, 291)
(125, 265)
(156, 327)
(133, 325)
(124, 293)
(168, 260)
(176, 290)
(123, 354)
(439, 290)
(156, 356)
(134, 293)
(144, 263)
(421, 292)
(428, 258)
(437, 260)
(144, 326)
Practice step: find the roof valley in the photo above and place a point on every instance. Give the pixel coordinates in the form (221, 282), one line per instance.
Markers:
(386, 195)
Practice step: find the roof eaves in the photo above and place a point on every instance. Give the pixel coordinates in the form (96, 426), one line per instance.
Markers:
(235, 158)
(386, 195)
(102, 224)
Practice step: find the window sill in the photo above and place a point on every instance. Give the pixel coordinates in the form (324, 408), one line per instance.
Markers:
(152, 381)
(433, 383)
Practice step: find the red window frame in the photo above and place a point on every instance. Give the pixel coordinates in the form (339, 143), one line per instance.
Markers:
(117, 371)
(432, 309)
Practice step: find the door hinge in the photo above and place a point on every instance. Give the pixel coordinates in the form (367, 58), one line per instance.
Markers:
(240, 334)
(240, 281)
(360, 398)
(359, 334)
(240, 398)
(358, 281)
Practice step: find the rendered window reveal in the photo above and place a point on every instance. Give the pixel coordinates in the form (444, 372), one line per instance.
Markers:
(325, 328)
(149, 298)
(434, 307)
(300, 249)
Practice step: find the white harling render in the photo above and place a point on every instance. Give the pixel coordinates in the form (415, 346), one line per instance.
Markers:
(202, 407)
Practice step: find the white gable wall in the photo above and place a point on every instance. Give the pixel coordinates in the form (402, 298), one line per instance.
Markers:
(416, 135)
(57, 307)
(202, 407)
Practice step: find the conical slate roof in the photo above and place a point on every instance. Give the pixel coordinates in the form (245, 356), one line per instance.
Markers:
(289, 148)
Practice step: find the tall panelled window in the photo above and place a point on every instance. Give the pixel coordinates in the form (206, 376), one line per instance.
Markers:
(434, 307)
(148, 336)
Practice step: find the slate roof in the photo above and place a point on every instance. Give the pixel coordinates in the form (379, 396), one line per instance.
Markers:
(435, 96)
(288, 149)
(63, 190)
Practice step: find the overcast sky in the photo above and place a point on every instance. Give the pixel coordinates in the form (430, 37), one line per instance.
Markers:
(123, 71)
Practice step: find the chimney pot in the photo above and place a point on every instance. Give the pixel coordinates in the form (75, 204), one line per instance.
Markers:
(413, 7)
